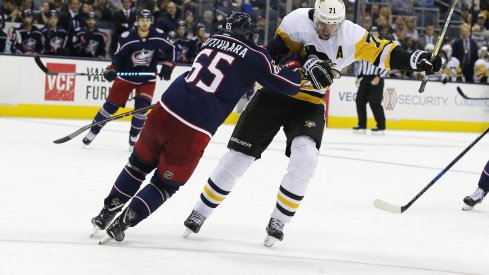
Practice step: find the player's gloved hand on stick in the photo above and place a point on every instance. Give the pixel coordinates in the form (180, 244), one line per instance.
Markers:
(166, 70)
(110, 74)
(420, 62)
(319, 73)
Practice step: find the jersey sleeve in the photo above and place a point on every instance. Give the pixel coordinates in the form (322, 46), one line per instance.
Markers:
(121, 51)
(371, 48)
(290, 34)
(168, 49)
(281, 80)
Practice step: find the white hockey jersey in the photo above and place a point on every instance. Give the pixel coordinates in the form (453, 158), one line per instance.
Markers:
(452, 69)
(481, 70)
(351, 42)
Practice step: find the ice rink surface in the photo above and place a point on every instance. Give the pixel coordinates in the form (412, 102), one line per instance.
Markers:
(50, 192)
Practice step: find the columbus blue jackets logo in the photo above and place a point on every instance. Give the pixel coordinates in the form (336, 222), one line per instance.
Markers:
(92, 46)
(56, 42)
(142, 57)
(29, 45)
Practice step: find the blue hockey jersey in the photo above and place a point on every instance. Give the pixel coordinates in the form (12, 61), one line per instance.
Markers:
(134, 54)
(89, 43)
(23, 41)
(221, 74)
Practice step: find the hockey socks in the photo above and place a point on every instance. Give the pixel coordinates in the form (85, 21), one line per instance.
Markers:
(138, 119)
(484, 179)
(105, 112)
(232, 166)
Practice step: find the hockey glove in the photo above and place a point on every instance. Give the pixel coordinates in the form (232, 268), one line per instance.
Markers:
(110, 74)
(166, 70)
(420, 62)
(319, 73)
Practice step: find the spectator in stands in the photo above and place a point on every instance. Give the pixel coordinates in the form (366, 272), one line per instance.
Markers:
(386, 12)
(54, 37)
(482, 22)
(402, 7)
(465, 50)
(85, 9)
(102, 10)
(398, 22)
(479, 37)
(429, 37)
(366, 22)
(70, 19)
(11, 11)
(26, 39)
(399, 35)
(261, 22)
(169, 21)
(123, 20)
(411, 30)
(2, 17)
(44, 9)
(89, 41)
(189, 20)
(409, 44)
(375, 12)
(208, 21)
(161, 11)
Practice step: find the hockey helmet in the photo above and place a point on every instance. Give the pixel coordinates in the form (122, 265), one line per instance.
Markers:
(145, 14)
(242, 25)
(447, 49)
(429, 47)
(27, 13)
(52, 13)
(91, 15)
(483, 52)
(329, 11)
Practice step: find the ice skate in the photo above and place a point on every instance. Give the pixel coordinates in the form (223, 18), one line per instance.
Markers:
(88, 138)
(116, 230)
(106, 216)
(359, 130)
(132, 142)
(476, 198)
(274, 232)
(193, 223)
(378, 131)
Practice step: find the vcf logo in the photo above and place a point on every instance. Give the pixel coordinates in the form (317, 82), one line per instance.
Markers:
(60, 87)
(390, 99)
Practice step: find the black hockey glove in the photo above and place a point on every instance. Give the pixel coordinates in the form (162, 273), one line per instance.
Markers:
(420, 62)
(319, 73)
(110, 74)
(166, 70)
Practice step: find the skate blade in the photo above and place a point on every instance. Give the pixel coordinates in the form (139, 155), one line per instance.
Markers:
(105, 239)
(270, 241)
(187, 233)
(95, 229)
(131, 148)
(466, 207)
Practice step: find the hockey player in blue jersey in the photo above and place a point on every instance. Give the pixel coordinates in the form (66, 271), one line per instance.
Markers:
(27, 38)
(138, 51)
(89, 41)
(55, 37)
(481, 191)
(180, 126)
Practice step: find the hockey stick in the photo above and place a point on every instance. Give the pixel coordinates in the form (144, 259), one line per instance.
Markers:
(459, 90)
(86, 127)
(382, 205)
(438, 42)
(48, 72)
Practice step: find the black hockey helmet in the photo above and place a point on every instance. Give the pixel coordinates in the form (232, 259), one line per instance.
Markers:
(27, 13)
(145, 14)
(91, 15)
(242, 25)
(198, 27)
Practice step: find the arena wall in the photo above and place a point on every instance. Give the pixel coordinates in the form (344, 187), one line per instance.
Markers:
(27, 92)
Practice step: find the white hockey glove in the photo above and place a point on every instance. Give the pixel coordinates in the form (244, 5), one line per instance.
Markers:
(420, 62)
(319, 73)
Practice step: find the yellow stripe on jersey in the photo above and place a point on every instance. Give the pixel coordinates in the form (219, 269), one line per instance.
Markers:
(307, 97)
(480, 70)
(370, 47)
(212, 195)
(293, 46)
(286, 202)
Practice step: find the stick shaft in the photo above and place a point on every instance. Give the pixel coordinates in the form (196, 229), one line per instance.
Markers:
(439, 42)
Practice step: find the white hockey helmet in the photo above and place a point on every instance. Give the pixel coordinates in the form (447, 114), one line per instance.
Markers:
(329, 11)
(429, 47)
(447, 49)
(483, 52)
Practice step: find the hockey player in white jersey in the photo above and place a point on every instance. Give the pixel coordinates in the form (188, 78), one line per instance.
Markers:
(452, 72)
(327, 41)
(481, 66)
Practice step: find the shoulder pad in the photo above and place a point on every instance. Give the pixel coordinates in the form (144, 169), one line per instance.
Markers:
(125, 34)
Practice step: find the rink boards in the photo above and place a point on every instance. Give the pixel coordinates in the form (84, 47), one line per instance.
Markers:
(27, 92)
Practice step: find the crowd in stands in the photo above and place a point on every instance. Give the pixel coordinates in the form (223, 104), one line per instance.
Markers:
(68, 23)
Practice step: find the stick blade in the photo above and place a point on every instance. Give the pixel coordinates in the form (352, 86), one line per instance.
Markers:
(62, 140)
(385, 206)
